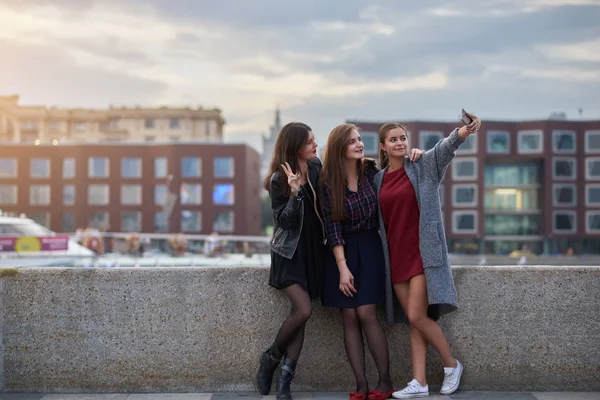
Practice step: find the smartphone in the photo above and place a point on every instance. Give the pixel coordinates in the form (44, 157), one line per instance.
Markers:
(465, 118)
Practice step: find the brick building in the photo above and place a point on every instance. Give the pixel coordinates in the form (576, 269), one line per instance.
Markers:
(533, 183)
(126, 186)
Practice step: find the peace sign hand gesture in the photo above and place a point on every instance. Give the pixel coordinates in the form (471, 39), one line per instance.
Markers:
(293, 179)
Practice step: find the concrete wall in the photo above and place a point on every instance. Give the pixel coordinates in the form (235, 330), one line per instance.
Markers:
(201, 329)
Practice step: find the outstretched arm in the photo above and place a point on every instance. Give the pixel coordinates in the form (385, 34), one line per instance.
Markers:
(445, 150)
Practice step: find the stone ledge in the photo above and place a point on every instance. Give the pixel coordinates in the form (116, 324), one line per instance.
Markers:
(126, 330)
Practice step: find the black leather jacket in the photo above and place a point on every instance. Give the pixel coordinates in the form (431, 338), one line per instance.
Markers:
(288, 212)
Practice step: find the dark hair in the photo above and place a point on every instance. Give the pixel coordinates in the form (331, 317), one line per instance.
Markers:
(334, 168)
(292, 137)
(383, 131)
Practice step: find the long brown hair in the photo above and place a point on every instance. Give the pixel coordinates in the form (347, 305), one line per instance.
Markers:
(383, 131)
(291, 139)
(334, 168)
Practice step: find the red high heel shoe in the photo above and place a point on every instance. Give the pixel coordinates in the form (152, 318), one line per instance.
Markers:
(377, 395)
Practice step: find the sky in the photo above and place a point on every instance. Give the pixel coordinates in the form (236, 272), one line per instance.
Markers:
(323, 61)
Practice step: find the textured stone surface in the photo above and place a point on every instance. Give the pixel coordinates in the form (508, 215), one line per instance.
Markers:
(187, 330)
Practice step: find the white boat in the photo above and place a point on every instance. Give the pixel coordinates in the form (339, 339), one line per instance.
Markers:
(24, 242)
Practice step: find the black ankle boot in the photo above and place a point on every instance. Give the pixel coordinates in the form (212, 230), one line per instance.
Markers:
(268, 363)
(285, 380)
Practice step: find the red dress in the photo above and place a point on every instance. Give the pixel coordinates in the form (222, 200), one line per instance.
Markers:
(400, 213)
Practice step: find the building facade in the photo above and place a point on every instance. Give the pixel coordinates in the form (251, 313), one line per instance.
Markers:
(517, 185)
(180, 186)
(38, 124)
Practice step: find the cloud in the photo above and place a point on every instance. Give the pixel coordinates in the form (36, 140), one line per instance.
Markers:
(583, 51)
(323, 63)
(47, 75)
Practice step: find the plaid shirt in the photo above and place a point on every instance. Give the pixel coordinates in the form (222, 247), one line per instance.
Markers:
(361, 210)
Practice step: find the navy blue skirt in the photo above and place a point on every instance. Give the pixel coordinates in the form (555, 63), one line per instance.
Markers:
(364, 257)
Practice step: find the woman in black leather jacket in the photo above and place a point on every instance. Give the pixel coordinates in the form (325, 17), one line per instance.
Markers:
(297, 247)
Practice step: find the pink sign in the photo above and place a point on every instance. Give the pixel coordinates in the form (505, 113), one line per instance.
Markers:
(25, 244)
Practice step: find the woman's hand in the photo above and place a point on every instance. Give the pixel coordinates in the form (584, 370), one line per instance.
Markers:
(473, 127)
(293, 179)
(347, 282)
(415, 154)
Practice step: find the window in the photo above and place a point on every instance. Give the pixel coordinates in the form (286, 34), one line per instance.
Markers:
(39, 168)
(511, 199)
(464, 169)
(131, 167)
(592, 195)
(190, 193)
(8, 167)
(8, 194)
(592, 222)
(564, 195)
(190, 221)
(80, 126)
(39, 195)
(161, 222)
(98, 219)
(161, 168)
(223, 222)
(223, 194)
(98, 167)
(564, 221)
(498, 142)
(563, 142)
(592, 141)
(68, 168)
(428, 139)
(131, 195)
(29, 125)
(160, 194)
(207, 127)
(469, 146)
(511, 225)
(69, 195)
(370, 141)
(131, 221)
(98, 195)
(464, 195)
(190, 167)
(564, 168)
(54, 126)
(174, 123)
(512, 174)
(149, 123)
(464, 222)
(68, 222)
(224, 167)
(174, 138)
(592, 168)
(150, 138)
(42, 218)
(530, 141)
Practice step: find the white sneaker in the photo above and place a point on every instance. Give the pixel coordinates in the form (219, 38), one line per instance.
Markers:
(452, 378)
(414, 389)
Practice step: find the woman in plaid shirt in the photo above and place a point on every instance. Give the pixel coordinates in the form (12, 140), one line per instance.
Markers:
(354, 269)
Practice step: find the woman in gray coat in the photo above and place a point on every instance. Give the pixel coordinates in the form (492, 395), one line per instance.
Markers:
(418, 274)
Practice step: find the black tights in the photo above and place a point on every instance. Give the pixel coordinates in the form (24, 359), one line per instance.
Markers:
(290, 337)
(365, 317)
